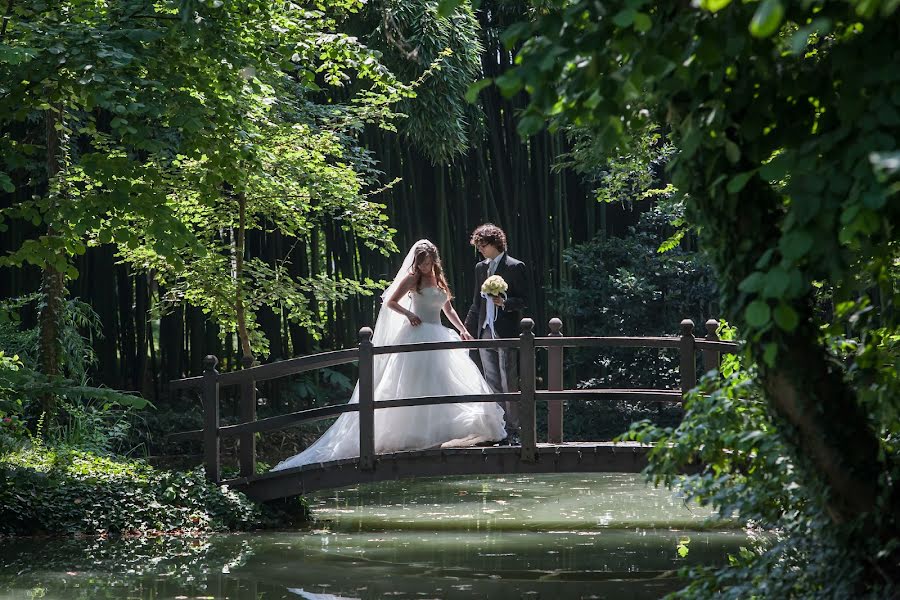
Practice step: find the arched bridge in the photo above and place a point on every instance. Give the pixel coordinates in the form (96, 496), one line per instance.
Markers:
(555, 456)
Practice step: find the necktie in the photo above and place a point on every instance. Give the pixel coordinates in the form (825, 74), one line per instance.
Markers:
(488, 306)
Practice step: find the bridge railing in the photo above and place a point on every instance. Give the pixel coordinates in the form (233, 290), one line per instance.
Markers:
(211, 381)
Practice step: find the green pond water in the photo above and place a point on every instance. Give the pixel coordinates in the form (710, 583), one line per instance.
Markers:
(551, 536)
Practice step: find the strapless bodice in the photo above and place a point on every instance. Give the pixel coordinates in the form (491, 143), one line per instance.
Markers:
(427, 303)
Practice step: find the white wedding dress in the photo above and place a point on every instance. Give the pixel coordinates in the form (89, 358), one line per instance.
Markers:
(409, 375)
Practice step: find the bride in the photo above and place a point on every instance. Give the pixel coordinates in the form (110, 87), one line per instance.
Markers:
(411, 313)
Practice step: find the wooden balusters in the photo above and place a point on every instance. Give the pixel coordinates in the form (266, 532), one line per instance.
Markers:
(528, 433)
(366, 401)
(555, 384)
(688, 363)
(711, 357)
(247, 408)
(210, 394)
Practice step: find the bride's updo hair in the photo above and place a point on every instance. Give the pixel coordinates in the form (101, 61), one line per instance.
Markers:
(428, 250)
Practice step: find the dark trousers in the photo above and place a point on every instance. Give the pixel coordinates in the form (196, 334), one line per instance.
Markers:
(501, 370)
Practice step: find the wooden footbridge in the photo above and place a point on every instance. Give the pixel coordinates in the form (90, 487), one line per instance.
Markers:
(555, 456)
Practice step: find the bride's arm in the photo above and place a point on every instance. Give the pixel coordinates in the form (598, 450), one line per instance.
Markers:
(454, 318)
(394, 302)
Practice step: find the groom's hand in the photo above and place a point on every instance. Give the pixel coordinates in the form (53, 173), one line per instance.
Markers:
(498, 301)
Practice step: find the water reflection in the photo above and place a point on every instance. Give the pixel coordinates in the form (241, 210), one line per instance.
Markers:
(535, 537)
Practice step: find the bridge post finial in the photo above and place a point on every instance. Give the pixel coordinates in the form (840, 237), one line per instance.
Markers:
(555, 326)
(711, 356)
(687, 327)
(365, 334)
(526, 325)
(712, 326)
(247, 361)
(209, 363)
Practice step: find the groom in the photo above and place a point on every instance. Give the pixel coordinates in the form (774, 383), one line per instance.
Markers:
(500, 365)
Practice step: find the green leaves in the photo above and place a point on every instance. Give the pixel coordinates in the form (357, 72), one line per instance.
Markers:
(161, 122)
(447, 7)
(475, 89)
(72, 491)
(767, 18)
(786, 317)
(714, 5)
(529, 125)
(6, 183)
(746, 95)
(16, 55)
(794, 245)
(629, 17)
(758, 314)
(737, 183)
(732, 151)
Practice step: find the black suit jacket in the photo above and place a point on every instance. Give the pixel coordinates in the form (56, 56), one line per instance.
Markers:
(518, 279)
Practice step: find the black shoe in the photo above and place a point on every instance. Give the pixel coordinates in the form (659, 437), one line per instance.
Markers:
(503, 442)
(513, 440)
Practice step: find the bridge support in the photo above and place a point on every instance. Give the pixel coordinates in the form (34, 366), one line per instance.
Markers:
(711, 357)
(247, 441)
(555, 384)
(528, 433)
(366, 401)
(210, 391)
(688, 364)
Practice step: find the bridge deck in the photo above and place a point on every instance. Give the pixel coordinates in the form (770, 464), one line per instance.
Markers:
(570, 457)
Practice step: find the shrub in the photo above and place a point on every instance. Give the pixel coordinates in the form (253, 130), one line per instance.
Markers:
(66, 491)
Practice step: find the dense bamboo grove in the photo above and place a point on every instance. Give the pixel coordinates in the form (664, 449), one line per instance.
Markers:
(501, 179)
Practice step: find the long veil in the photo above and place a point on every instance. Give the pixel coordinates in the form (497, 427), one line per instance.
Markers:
(389, 322)
(342, 438)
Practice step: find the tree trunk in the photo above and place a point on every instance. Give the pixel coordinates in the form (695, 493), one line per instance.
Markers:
(52, 284)
(832, 431)
(827, 428)
(239, 308)
(50, 350)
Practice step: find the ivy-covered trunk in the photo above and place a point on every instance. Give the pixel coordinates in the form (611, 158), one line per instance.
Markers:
(826, 425)
(52, 282)
(50, 349)
(831, 431)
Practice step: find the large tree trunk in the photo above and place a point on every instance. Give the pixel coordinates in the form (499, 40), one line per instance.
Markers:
(50, 349)
(826, 426)
(52, 284)
(832, 432)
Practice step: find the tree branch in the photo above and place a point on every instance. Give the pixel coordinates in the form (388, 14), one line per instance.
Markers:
(6, 19)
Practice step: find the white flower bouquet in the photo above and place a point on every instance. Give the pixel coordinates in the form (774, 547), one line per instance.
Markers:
(494, 286)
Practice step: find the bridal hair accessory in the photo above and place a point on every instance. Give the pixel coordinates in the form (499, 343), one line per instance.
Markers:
(492, 287)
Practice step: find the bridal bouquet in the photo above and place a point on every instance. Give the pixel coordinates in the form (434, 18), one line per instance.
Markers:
(494, 286)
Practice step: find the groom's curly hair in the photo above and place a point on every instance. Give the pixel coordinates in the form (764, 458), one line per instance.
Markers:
(489, 234)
